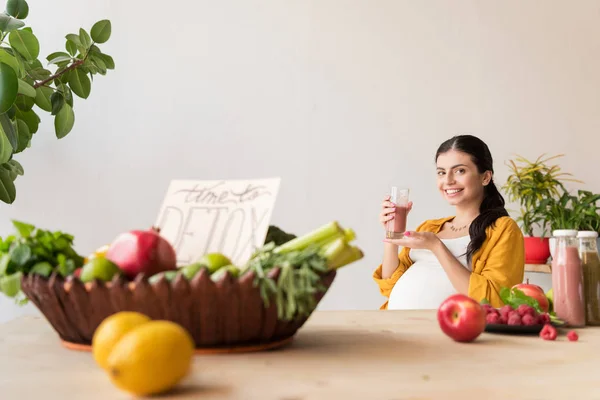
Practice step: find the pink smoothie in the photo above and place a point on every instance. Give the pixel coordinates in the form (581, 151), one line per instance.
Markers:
(397, 226)
(567, 284)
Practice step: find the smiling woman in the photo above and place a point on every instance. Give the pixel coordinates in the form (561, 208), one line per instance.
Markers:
(476, 252)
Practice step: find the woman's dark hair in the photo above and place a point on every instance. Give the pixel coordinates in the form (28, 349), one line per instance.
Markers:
(492, 206)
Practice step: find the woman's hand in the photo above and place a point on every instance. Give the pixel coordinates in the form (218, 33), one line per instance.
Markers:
(417, 240)
(387, 211)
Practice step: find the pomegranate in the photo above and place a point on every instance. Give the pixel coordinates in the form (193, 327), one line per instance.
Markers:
(138, 252)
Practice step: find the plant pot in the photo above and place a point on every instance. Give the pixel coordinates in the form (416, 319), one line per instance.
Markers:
(537, 250)
(223, 316)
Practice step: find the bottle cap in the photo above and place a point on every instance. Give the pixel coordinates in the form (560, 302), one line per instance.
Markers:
(565, 233)
(587, 234)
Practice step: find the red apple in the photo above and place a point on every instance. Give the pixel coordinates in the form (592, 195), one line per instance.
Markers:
(461, 318)
(146, 252)
(535, 292)
(77, 272)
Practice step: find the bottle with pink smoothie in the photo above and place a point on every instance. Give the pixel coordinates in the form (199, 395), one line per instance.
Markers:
(396, 227)
(567, 279)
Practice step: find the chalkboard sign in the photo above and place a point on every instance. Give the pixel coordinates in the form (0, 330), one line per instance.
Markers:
(226, 216)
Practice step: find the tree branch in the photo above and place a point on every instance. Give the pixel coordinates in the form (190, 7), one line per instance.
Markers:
(51, 78)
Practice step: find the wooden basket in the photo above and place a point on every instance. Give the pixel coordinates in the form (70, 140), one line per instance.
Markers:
(227, 315)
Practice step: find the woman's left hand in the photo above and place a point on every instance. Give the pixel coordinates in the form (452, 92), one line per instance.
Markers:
(417, 240)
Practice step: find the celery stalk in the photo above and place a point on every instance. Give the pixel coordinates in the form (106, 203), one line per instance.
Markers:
(321, 234)
(349, 234)
(333, 250)
(349, 256)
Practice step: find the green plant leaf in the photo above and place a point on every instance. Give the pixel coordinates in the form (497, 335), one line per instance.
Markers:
(64, 121)
(17, 8)
(25, 43)
(84, 38)
(9, 59)
(30, 118)
(6, 148)
(108, 60)
(58, 101)
(71, 47)
(74, 38)
(26, 89)
(9, 24)
(101, 31)
(67, 93)
(24, 135)
(42, 98)
(59, 57)
(10, 132)
(9, 86)
(39, 74)
(24, 103)
(80, 83)
(8, 192)
(16, 167)
(99, 64)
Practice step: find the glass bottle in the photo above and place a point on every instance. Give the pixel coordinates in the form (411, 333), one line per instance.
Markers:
(567, 279)
(590, 263)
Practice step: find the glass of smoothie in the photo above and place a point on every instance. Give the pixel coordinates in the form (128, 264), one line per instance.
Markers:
(567, 279)
(396, 226)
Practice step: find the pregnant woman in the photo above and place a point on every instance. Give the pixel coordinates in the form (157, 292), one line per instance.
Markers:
(476, 252)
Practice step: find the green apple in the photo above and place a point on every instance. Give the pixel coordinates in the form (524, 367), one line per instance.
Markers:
(99, 268)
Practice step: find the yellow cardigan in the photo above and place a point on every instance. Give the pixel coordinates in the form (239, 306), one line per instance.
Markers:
(500, 262)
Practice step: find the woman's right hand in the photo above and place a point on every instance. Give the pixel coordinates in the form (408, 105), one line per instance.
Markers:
(387, 211)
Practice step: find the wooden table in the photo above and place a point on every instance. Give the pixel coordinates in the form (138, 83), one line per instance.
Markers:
(378, 355)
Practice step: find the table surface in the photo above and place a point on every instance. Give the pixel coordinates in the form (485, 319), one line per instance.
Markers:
(381, 355)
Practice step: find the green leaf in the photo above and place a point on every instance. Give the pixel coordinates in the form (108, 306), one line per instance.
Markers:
(31, 119)
(58, 101)
(25, 43)
(8, 130)
(64, 121)
(24, 135)
(9, 86)
(9, 24)
(24, 103)
(80, 83)
(10, 285)
(42, 268)
(101, 31)
(26, 89)
(99, 63)
(39, 74)
(8, 192)
(84, 38)
(42, 98)
(17, 8)
(74, 38)
(15, 167)
(6, 148)
(59, 57)
(108, 60)
(9, 59)
(71, 47)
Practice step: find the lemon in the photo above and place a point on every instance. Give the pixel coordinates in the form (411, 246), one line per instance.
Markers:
(99, 252)
(214, 261)
(111, 330)
(151, 359)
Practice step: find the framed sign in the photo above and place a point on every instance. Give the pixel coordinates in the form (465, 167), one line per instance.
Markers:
(225, 216)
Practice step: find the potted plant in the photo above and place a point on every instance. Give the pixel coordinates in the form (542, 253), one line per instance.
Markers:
(27, 86)
(530, 184)
(578, 212)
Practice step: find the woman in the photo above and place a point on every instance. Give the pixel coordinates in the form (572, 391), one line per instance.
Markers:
(476, 252)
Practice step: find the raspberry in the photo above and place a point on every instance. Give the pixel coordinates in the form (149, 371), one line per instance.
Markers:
(514, 319)
(492, 318)
(505, 310)
(524, 309)
(544, 319)
(548, 332)
(503, 320)
(572, 336)
(529, 320)
(488, 308)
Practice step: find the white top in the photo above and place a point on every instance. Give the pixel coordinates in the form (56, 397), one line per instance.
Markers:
(425, 284)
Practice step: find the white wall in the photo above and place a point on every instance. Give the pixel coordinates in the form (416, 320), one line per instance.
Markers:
(339, 98)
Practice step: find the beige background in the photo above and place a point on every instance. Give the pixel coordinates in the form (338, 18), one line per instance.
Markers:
(339, 98)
